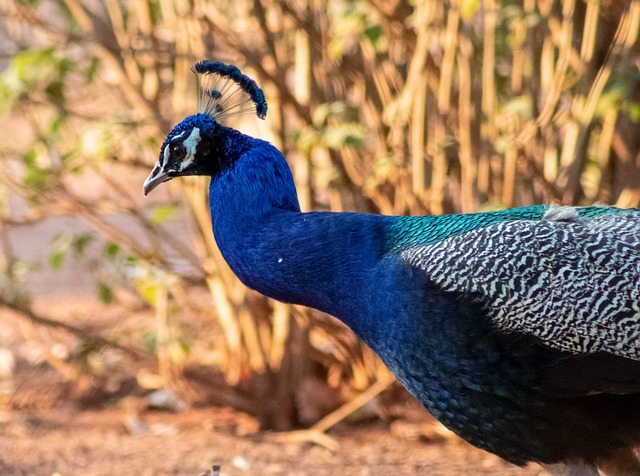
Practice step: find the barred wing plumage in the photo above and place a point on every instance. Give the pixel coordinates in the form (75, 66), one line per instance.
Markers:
(571, 282)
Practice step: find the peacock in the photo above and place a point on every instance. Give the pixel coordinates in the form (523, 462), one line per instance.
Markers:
(519, 329)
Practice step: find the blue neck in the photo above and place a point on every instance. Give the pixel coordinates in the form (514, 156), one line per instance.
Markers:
(320, 260)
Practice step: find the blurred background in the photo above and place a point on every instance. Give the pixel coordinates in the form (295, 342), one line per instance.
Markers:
(111, 301)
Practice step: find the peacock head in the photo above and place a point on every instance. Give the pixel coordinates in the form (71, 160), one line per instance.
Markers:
(196, 145)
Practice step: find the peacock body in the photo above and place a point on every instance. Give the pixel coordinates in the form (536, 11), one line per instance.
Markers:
(517, 329)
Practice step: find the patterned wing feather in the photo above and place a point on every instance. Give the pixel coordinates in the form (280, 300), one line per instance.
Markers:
(573, 283)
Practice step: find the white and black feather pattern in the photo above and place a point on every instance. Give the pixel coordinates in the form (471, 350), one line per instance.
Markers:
(573, 284)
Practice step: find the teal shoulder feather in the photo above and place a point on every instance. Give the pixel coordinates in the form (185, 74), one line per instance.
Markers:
(407, 232)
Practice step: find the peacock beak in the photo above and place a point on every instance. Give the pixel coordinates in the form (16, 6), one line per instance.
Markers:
(155, 178)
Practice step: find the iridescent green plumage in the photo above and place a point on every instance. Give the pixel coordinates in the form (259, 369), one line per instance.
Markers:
(408, 231)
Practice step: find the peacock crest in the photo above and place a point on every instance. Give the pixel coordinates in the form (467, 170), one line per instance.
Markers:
(224, 92)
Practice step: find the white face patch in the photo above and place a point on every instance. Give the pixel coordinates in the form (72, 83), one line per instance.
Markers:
(190, 144)
(175, 138)
(165, 155)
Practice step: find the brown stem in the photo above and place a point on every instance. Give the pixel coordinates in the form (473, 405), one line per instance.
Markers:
(76, 331)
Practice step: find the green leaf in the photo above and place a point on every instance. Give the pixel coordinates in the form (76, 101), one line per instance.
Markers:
(111, 250)
(149, 341)
(81, 241)
(337, 109)
(373, 34)
(63, 242)
(8, 96)
(92, 70)
(162, 213)
(105, 292)
(13, 279)
(619, 92)
(60, 246)
(55, 91)
(57, 259)
(35, 70)
(35, 177)
(55, 125)
(343, 135)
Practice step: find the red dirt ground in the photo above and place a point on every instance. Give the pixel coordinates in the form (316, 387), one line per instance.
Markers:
(66, 443)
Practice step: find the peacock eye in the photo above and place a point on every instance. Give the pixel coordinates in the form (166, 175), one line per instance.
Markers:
(177, 151)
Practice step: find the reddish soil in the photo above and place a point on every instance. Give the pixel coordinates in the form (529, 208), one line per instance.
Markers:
(65, 443)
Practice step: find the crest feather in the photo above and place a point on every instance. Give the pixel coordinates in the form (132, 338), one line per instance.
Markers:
(223, 91)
